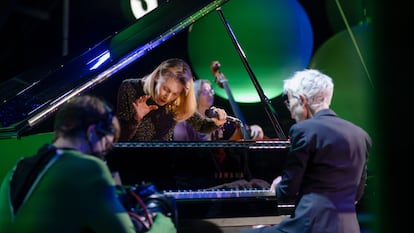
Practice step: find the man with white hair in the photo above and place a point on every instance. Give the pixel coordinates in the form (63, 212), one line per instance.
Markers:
(327, 162)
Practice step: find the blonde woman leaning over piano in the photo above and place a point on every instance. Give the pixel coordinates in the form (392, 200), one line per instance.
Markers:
(150, 107)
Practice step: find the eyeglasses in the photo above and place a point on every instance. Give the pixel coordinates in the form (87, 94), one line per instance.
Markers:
(287, 102)
(207, 92)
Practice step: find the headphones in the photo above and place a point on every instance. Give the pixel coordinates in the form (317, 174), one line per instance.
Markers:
(104, 126)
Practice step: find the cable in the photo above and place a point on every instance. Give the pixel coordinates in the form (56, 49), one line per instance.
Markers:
(144, 207)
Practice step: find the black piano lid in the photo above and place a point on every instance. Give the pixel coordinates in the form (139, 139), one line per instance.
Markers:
(33, 96)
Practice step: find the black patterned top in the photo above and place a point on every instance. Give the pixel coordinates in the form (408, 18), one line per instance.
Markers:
(157, 125)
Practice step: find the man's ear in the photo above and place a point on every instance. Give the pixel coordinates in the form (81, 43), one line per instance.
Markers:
(303, 99)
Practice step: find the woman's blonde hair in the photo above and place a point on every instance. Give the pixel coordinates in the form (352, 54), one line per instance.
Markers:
(185, 105)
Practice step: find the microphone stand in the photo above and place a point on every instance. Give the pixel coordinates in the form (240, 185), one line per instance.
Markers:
(270, 111)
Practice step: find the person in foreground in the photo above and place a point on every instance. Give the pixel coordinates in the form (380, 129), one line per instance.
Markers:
(149, 108)
(327, 165)
(67, 186)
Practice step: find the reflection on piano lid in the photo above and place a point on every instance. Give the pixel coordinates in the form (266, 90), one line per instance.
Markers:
(184, 165)
(25, 106)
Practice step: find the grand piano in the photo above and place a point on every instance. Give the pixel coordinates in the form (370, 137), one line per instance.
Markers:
(182, 170)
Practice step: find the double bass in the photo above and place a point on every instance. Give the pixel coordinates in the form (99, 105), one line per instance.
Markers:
(242, 131)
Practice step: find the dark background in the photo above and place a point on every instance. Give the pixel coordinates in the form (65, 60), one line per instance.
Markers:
(31, 35)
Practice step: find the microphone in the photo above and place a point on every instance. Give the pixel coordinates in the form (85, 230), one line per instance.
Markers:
(213, 114)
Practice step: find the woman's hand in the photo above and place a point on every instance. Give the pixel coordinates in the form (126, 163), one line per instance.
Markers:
(141, 107)
(220, 119)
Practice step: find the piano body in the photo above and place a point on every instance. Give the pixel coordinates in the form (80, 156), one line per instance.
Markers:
(188, 171)
(33, 97)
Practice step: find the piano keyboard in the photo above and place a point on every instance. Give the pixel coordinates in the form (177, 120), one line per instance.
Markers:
(185, 195)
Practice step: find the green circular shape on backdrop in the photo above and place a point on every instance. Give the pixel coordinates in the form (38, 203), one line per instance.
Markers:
(276, 39)
(350, 64)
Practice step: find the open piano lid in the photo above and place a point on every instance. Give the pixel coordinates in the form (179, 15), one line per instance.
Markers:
(31, 97)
